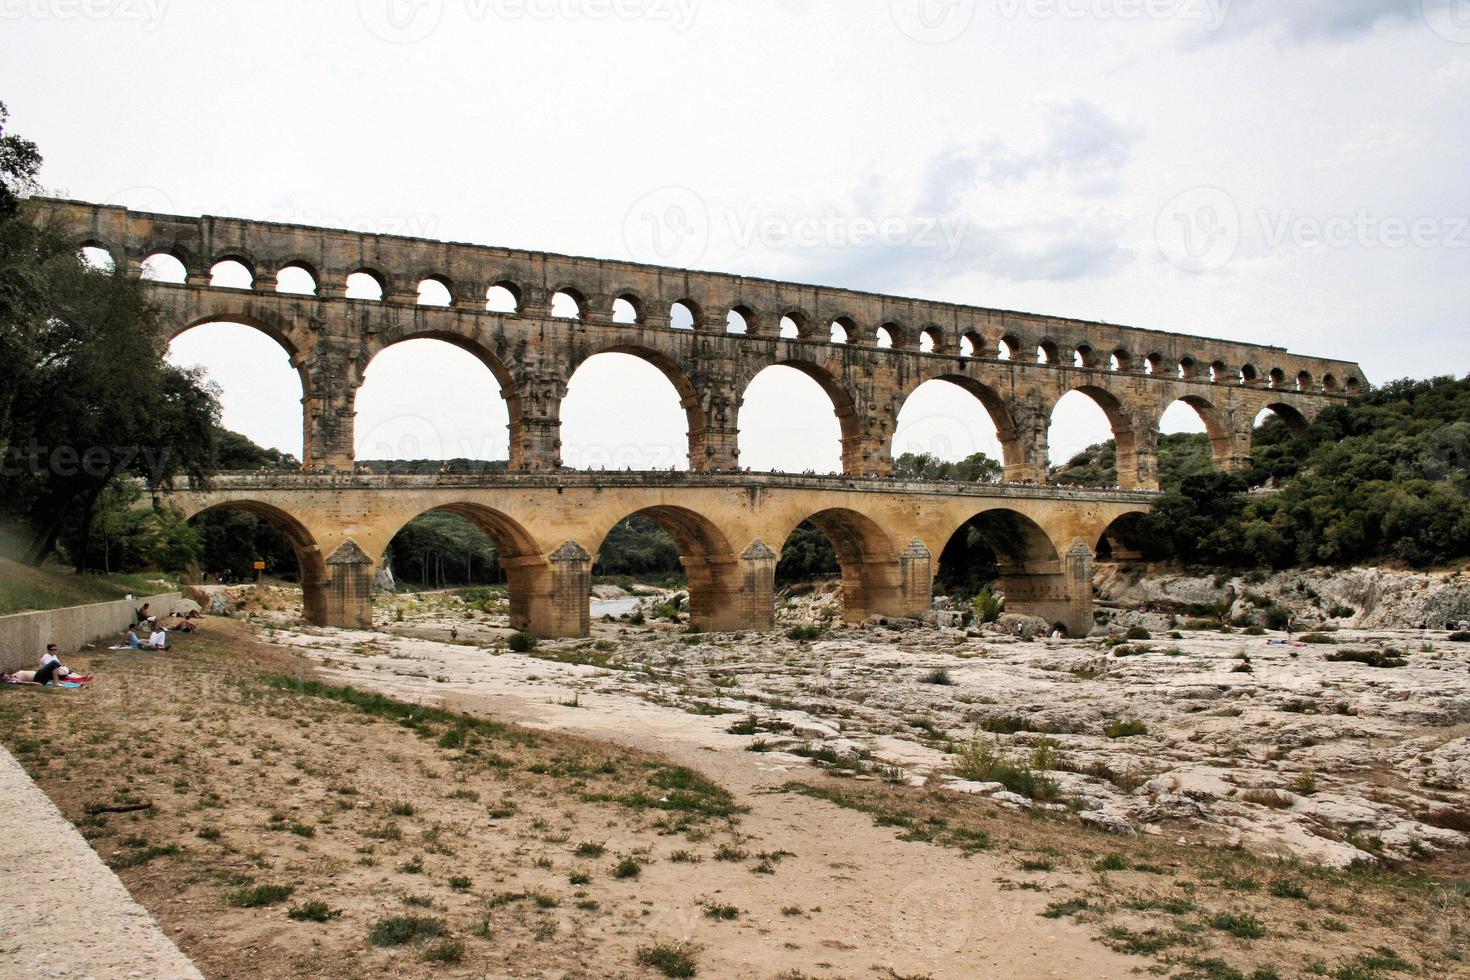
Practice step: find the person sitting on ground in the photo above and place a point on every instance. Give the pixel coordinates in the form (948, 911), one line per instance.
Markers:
(50, 656)
(158, 640)
(132, 641)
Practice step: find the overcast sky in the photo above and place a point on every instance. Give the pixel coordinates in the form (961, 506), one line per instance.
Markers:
(1278, 172)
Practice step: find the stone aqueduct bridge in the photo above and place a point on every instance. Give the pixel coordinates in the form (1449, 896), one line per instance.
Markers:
(730, 525)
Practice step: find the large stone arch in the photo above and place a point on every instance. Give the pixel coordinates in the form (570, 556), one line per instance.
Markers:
(857, 453)
(1013, 454)
(717, 579)
(467, 341)
(1039, 574)
(670, 366)
(1217, 426)
(318, 604)
(532, 592)
(879, 578)
(1137, 466)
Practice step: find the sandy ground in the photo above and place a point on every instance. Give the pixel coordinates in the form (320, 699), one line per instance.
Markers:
(886, 904)
(63, 913)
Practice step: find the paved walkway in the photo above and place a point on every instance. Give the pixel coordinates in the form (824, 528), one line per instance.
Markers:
(63, 913)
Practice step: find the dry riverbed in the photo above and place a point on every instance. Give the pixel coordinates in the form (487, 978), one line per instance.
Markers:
(823, 835)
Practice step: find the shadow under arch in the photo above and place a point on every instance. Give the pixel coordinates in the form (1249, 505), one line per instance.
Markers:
(1290, 416)
(1012, 455)
(311, 563)
(716, 579)
(1129, 539)
(698, 433)
(873, 579)
(527, 571)
(1125, 438)
(509, 390)
(844, 406)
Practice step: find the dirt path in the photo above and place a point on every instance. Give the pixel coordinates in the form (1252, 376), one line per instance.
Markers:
(910, 908)
(62, 911)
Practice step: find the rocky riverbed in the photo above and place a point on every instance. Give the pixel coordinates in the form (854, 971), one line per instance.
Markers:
(1355, 747)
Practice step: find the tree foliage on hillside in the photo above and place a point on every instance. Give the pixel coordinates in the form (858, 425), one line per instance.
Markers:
(1383, 478)
(88, 399)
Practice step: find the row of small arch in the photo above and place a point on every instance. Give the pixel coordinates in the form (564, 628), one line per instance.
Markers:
(508, 298)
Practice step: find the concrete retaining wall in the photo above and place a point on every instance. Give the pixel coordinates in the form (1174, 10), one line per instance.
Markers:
(23, 636)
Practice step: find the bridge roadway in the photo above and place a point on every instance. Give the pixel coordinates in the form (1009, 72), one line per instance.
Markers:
(729, 527)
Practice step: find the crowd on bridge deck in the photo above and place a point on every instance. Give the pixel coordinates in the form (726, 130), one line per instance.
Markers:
(446, 470)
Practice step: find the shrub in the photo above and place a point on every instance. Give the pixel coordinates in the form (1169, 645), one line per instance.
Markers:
(1342, 612)
(402, 929)
(1255, 631)
(1239, 925)
(803, 634)
(312, 911)
(1316, 638)
(627, 868)
(1460, 636)
(671, 961)
(1373, 658)
(1137, 633)
(522, 643)
(983, 761)
(1276, 616)
(938, 676)
(1286, 888)
(1125, 728)
(986, 606)
(445, 951)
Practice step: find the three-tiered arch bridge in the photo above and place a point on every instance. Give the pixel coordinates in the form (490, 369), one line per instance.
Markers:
(533, 318)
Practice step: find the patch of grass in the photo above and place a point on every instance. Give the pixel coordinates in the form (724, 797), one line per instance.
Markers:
(1287, 888)
(400, 930)
(722, 912)
(590, 849)
(983, 761)
(804, 634)
(444, 951)
(259, 896)
(133, 859)
(1125, 728)
(521, 643)
(627, 868)
(460, 883)
(1241, 925)
(1112, 862)
(1060, 910)
(668, 959)
(1145, 943)
(401, 808)
(312, 911)
(938, 676)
